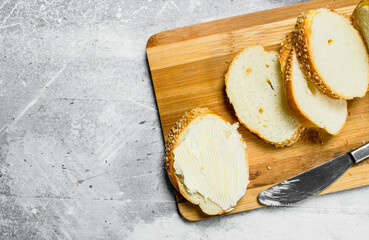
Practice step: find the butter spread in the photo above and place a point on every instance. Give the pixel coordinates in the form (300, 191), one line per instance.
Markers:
(211, 158)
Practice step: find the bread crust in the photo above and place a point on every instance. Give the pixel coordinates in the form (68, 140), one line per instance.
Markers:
(303, 50)
(284, 52)
(286, 143)
(172, 142)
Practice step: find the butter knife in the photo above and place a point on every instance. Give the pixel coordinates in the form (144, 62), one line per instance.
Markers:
(312, 181)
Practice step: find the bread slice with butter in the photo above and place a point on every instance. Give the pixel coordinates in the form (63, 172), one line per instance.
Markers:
(254, 86)
(332, 53)
(206, 161)
(311, 107)
(360, 18)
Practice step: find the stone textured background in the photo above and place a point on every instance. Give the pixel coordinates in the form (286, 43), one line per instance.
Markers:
(81, 149)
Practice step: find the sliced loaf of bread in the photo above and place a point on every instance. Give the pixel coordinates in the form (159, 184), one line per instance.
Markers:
(206, 161)
(254, 86)
(360, 18)
(332, 53)
(311, 107)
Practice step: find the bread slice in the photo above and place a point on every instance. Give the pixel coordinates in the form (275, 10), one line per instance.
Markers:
(206, 161)
(311, 107)
(360, 18)
(254, 86)
(332, 53)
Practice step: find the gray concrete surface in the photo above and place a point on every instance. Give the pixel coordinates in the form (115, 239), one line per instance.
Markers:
(81, 150)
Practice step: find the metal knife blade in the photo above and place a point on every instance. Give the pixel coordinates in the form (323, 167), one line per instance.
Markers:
(312, 181)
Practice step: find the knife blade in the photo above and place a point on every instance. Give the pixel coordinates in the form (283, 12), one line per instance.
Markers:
(313, 181)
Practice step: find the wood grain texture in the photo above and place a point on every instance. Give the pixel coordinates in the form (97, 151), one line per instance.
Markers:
(188, 66)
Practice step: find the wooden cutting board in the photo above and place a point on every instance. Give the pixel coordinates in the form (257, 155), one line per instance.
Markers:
(188, 66)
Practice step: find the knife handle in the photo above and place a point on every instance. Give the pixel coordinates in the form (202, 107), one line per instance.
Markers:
(360, 154)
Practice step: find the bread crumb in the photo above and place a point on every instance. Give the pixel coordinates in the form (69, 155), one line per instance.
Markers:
(330, 41)
(315, 136)
(350, 174)
(361, 117)
(363, 142)
(269, 168)
(261, 110)
(248, 70)
(266, 65)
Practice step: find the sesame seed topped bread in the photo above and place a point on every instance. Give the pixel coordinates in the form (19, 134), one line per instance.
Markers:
(285, 50)
(332, 53)
(206, 161)
(254, 86)
(311, 107)
(360, 18)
